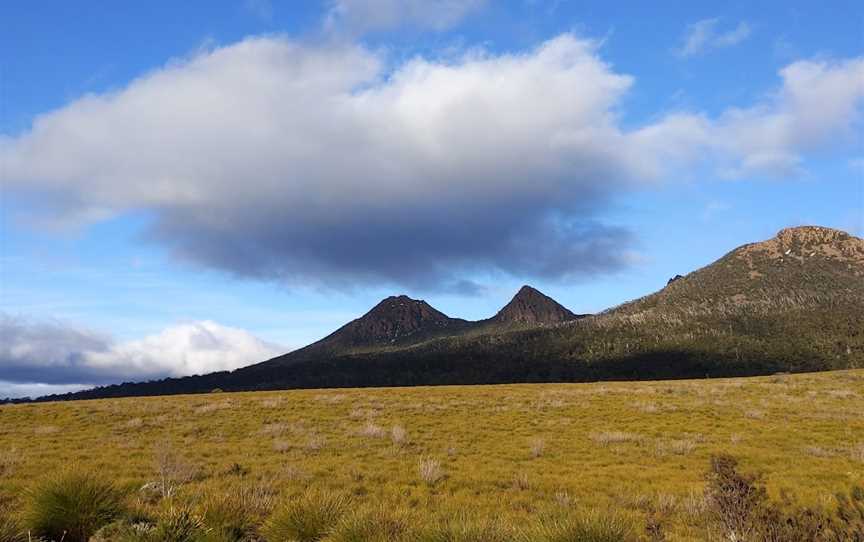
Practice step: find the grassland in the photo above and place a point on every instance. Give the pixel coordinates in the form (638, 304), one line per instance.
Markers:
(511, 451)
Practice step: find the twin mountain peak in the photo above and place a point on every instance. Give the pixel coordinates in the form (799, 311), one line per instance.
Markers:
(397, 318)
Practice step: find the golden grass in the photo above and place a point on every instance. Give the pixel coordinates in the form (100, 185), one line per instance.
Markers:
(496, 451)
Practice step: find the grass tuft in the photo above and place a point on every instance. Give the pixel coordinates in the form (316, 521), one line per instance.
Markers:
(309, 518)
(73, 506)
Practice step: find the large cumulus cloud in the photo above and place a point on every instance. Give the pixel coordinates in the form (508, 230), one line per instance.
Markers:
(323, 163)
(48, 356)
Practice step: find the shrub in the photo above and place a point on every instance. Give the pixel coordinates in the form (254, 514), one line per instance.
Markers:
(73, 506)
(742, 511)
(172, 470)
(308, 518)
(592, 527)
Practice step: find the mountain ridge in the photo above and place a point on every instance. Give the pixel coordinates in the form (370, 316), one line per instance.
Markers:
(789, 303)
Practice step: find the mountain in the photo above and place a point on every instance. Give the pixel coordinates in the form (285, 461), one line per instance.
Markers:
(396, 319)
(531, 307)
(794, 302)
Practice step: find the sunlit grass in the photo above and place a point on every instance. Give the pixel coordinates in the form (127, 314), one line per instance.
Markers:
(499, 452)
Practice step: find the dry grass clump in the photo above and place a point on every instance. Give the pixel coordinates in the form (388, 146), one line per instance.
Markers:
(537, 447)
(399, 436)
(675, 447)
(274, 429)
(754, 414)
(133, 423)
(8, 459)
(45, 430)
(372, 430)
(281, 446)
(430, 470)
(818, 451)
(315, 443)
(521, 481)
(271, 402)
(608, 438)
(172, 470)
(857, 453)
(212, 407)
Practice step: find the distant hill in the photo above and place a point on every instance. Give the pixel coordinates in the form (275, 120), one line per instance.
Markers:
(792, 303)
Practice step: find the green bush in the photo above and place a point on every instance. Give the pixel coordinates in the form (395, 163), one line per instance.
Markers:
(73, 506)
(309, 518)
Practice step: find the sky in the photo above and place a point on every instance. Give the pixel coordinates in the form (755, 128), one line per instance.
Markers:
(197, 186)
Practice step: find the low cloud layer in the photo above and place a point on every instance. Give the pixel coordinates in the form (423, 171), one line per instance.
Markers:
(325, 164)
(706, 35)
(49, 356)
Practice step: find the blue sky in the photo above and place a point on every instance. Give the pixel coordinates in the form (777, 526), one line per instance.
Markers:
(449, 150)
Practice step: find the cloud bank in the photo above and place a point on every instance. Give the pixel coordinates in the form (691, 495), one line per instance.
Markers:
(324, 164)
(48, 357)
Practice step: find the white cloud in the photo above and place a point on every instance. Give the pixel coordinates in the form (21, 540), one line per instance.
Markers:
(704, 35)
(323, 163)
(359, 16)
(818, 103)
(58, 354)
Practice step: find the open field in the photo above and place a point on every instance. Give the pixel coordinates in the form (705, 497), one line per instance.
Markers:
(513, 452)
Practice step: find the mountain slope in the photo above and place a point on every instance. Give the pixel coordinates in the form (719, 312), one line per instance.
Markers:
(531, 307)
(792, 303)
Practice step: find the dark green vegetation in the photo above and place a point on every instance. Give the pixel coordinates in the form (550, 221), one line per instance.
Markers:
(794, 303)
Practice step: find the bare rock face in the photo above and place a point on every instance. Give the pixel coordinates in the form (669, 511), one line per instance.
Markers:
(530, 306)
(810, 241)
